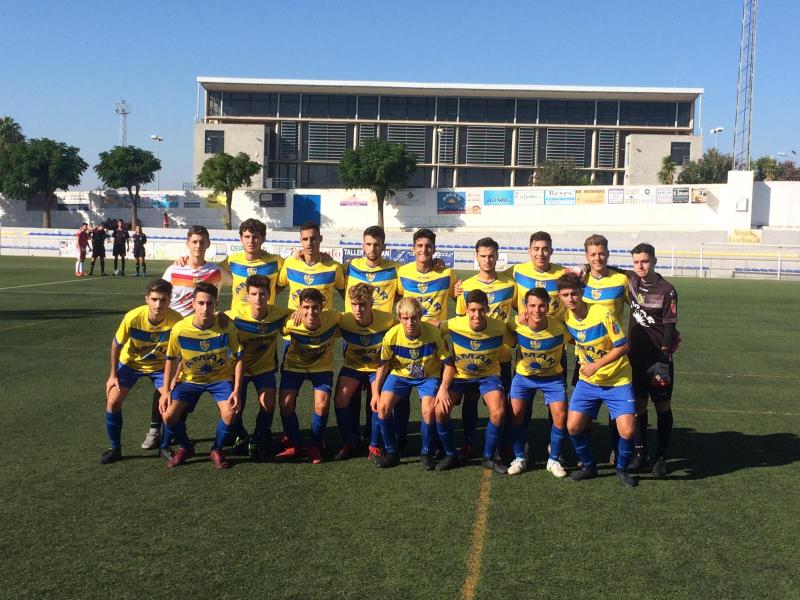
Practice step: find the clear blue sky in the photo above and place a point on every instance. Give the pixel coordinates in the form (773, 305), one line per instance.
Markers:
(63, 65)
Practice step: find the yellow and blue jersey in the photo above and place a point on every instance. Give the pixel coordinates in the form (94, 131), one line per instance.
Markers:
(208, 355)
(527, 277)
(311, 351)
(432, 289)
(362, 344)
(539, 353)
(502, 295)
(268, 265)
(382, 278)
(477, 353)
(258, 338)
(609, 291)
(325, 275)
(418, 358)
(144, 345)
(595, 336)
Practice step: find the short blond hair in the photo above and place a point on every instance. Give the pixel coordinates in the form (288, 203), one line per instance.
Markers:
(360, 292)
(408, 306)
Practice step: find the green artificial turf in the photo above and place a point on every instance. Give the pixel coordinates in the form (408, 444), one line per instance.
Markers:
(723, 524)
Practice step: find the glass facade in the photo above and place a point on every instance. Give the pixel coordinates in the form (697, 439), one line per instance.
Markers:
(458, 140)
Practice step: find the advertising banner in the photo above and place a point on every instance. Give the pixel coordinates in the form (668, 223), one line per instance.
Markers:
(663, 195)
(407, 256)
(498, 198)
(597, 196)
(353, 200)
(215, 201)
(528, 197)
(451, 203)
(559, 197)
(647, 195)
(615, 195)
(272, 199)
(680, 195)
(699, 195)
(474, 199)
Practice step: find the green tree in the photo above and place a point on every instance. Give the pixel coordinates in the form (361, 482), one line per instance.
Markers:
(666, 174)
(127, 167)
(559, 172)
(767, 168)
(10, 132)
(712, 167)
(37, 168)
(379, 166)
(224, 173)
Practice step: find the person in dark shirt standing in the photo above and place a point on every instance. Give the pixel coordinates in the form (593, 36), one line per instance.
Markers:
(121, 243)
(654, 338)
(139, 240)
(99, 235)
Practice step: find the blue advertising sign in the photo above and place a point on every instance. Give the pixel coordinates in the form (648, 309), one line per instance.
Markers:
(451, 203)
(498, 198)
(407, 256)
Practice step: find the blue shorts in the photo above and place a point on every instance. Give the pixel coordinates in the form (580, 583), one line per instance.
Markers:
(587, 398)
(524, 387)
(322, 381)
(365, 378)
(127, 377)
(482, 385)
(401, 386)
(190, 392)
(263, 381)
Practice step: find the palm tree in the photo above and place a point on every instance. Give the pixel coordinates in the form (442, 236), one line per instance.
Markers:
(666, 174)
(10, 132)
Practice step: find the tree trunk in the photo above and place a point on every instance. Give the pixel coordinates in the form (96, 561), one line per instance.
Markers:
(229, 202)
(134, 196)
(380, 195)
(46, 211)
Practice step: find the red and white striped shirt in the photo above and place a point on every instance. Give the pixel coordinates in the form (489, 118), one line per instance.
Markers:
(184, 280)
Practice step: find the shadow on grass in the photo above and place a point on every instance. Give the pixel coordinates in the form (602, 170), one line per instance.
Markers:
(48, 314)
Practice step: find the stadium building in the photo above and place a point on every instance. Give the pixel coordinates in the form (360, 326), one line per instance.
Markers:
(464, 135)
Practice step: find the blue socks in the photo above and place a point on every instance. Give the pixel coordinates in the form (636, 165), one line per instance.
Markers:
(291, 428)
(556, 439)
(263, 425)
(469, 418)
(375, 431)
(445, 431)
(518, 435)
(582, 449)
(625, 453)
(492, 439)
(426, 432)
(344, 419)
(114, 428)
(388, 429)
(222, 432)
(178, 433)
(318, 423)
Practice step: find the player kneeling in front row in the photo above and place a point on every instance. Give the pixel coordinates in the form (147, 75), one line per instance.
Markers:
(362, 330)
(210, 353)
(412, 355)
(309, 356)
(137, 350)
(477, 344)
(604, 377)
(539, 367)
(258, 325)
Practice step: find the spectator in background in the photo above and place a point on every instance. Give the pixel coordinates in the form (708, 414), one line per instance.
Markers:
(166, 221)
(81, 243)
(121, 246)
(139, 240)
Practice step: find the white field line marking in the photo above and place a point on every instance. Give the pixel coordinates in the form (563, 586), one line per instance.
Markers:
(733, 375)
(478, 537)
(27, 324)
(16, 287)
(762, 413)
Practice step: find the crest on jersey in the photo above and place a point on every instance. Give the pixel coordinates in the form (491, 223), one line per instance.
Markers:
(370, 277)
(640, 298)
(365, 340)
(422, 287)
(540, 284)
(309, 279)
(475, 344)
(252, 270)
(155, 336)
(262, 327)
(582, 336)
(536, 344)
(596, 294)
(490, 297)
(413, 353)
(205, 345)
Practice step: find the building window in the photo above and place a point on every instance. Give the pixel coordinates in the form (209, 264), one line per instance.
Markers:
(567, 144)
(445, 177)
(447, 109)
(214, 104)
(289, 105)
(264, 105)
(679, 152)
(486, 145)
(527, 111)
(407, 108)
(684, 114)
(571, 112)
(329, 106)
(487, 110)
(288, 141)
(413, 137)
(215, 142)
(326, 141)
(606, 148)
(607, 112)
(367, 107)
(484, 177)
